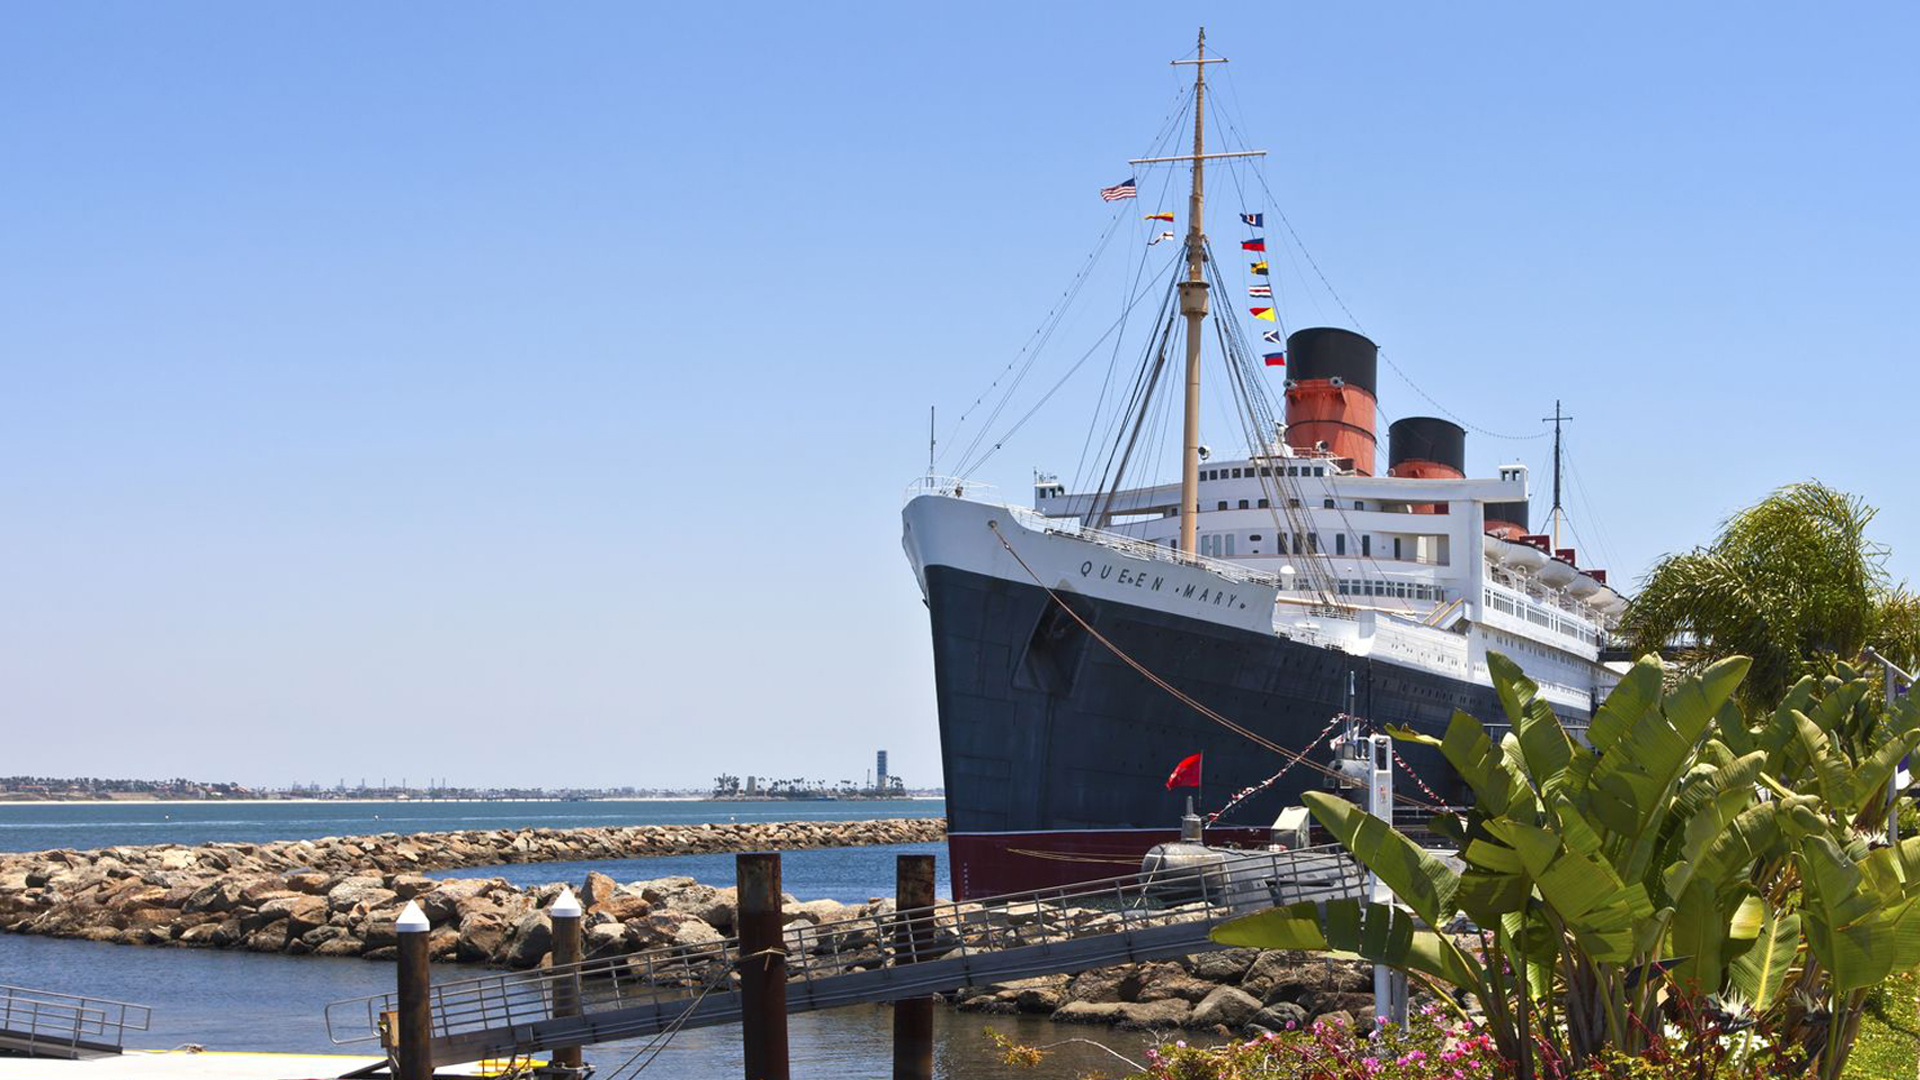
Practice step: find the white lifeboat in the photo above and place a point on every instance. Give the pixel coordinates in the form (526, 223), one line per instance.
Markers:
(1525, 557)
(1608, 602)
(1583, 587)
(1556, 573)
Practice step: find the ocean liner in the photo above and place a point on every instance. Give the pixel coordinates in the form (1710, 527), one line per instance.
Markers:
(1087, 643)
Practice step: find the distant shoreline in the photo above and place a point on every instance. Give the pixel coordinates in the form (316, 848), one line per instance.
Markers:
(429, 802)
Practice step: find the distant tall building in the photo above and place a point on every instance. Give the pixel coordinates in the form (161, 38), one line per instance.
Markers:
(880, 770)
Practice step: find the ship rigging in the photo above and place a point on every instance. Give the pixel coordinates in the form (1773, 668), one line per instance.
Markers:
(1085, 642)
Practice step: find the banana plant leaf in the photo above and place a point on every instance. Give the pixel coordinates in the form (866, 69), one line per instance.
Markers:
(1544, 746)
(1421, 881)
(1375, 932)
(1638, 691)
(1759, 972)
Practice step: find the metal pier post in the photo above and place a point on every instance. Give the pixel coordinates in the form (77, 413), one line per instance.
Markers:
(912, 936)
(763, 966)
(413, 1031)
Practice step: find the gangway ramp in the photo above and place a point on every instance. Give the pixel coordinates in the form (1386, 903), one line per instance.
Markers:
(47, 1024)
(868, 959)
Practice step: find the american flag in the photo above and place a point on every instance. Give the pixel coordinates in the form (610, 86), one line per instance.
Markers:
(1120, 191)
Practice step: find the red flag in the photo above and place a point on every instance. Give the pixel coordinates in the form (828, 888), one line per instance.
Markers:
(1185, 774)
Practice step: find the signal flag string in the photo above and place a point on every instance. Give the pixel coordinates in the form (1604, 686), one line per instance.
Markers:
(1247, 793)
(1294, 755)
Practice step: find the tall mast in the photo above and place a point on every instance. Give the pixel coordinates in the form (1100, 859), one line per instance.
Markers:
(1556, 419)
(1193, 291)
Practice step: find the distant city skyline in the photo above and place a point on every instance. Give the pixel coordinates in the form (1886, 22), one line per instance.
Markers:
(526, 394)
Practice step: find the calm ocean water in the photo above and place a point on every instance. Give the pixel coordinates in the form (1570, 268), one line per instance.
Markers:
(247, 1001)
(39, 826)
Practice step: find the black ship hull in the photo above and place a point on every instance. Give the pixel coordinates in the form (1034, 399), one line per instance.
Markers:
(1056, 752)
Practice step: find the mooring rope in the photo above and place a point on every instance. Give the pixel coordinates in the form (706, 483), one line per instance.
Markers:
(1295, 756)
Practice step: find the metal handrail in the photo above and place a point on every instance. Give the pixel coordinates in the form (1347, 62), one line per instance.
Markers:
(69, 1022)
(819, 953)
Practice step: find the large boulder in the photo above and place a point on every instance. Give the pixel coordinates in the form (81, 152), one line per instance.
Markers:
(1089, 1012)
(216, 896)
(597, 890)
(269, 938)
(532, 937)
(1228, 1006)
(483, 937)
(623, 905)
(603, 940)
(1280, 1016)
(658, 890)
(1164, 982)
(1223, 966)
(364, 893)
(303, 913)
(447, 901)
(408, 886)
(1100, 986)
(674, 928)
(1166, 1013)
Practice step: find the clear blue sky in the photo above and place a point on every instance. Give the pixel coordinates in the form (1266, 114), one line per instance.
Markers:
(526, 392)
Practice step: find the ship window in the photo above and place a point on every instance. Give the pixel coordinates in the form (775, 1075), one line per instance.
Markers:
(1243, 504)
(1340, 544)
(1263, 504)
(1366, 546)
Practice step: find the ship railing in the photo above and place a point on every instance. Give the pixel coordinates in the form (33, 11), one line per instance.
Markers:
(819, 954)
(953, 487)
(1142, 549)
(43, 1022)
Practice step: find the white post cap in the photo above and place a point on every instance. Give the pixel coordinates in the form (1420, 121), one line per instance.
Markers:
(566, 905)
(412, 920)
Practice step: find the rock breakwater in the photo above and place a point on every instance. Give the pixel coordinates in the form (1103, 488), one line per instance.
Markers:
(341, 896)
(331, 895)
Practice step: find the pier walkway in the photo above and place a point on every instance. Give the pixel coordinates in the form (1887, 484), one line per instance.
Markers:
(870, 959)
(45, 1024)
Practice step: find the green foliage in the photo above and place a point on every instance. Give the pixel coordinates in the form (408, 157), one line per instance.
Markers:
(1686, 856)
(1792, 582)
(1889, 1033)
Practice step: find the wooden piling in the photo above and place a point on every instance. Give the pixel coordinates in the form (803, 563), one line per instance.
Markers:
(763, 965)
(414, 1030)
(566, 913)
(913, 940)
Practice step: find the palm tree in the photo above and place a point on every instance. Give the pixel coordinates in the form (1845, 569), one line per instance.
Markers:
(1792, 582)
